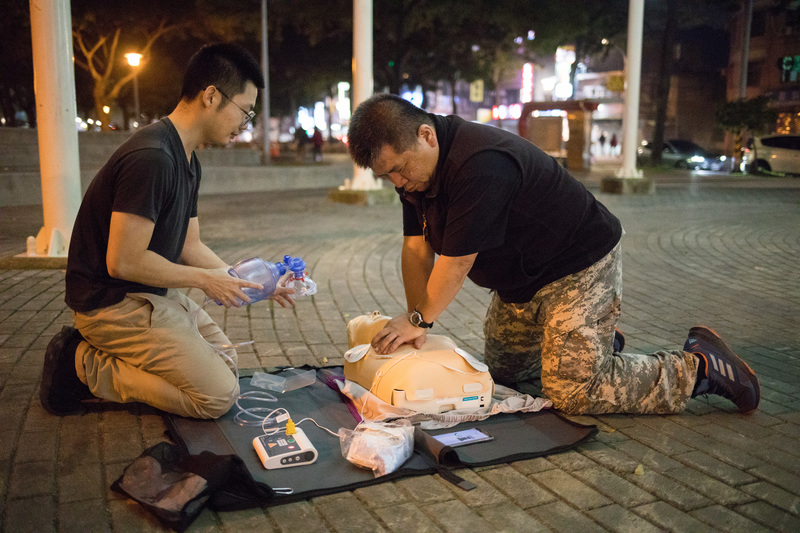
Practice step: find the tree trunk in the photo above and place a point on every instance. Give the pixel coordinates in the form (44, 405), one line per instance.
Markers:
(664, 80)
(453, 95)
(497, 100)
(100, 99)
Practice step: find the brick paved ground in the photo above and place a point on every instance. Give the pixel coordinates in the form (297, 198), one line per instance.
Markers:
(711, 250)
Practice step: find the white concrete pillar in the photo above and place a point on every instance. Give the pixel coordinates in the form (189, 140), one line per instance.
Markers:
(362, 78)
(633, 76)
(54, 86)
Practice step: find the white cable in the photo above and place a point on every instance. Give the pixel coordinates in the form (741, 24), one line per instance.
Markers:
(316, 424)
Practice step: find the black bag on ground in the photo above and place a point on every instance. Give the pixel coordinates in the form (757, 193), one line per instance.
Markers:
(175, 486)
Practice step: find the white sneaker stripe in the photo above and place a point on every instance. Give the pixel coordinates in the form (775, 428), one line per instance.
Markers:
(714, 362)
(731, 375)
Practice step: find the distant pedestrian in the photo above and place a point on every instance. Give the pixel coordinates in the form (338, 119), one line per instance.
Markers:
(300, 142)
(613, 144)
(317, 142)
(602, 141)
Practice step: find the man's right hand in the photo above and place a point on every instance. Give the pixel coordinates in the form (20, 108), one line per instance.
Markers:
(225, 289)
(395, 333)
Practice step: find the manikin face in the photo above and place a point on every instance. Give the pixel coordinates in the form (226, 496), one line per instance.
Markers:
(412, 169)
(232, 113)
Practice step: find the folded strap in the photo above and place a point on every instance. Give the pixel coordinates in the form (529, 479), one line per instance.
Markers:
(456, 480)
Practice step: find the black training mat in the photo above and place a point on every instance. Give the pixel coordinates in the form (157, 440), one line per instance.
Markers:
(517, 436)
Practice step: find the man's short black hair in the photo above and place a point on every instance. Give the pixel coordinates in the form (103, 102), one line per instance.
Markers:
(381, 120)
(226, 66)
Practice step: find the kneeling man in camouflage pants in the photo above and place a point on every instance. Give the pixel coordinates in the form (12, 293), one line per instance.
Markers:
(498, 210)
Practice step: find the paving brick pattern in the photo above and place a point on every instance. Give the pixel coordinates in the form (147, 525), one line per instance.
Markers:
(715, 250)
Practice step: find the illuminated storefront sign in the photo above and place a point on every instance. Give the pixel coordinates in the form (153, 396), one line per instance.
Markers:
(526, 92)
(790, 67)
(565, 57)
(503, 112)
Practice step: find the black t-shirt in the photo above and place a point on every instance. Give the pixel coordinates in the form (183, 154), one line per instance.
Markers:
(148, 176)
(498, 195)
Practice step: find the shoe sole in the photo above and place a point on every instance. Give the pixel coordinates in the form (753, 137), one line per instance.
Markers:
(51, 361)
(712, 337)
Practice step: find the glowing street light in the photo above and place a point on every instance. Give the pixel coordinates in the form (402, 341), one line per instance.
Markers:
(134, 60)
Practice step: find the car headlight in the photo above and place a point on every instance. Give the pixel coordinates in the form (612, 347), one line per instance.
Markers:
(697, 159)
(723, 158)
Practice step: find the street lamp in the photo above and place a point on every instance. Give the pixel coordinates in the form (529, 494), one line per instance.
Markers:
(133, 60)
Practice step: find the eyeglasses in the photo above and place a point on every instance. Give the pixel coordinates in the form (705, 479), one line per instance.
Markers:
(248, 115)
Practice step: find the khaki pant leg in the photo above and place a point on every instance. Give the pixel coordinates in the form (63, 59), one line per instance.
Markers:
(146, 349)
(580, 372)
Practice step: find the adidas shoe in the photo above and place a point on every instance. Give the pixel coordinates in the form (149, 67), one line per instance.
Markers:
(726, 374)
(61, 391)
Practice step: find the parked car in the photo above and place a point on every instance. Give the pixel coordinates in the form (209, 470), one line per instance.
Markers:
(680, 153)
(774, 153)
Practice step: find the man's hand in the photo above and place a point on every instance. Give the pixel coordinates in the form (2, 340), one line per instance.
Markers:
(283, 295)
(225, 289)
(396, 332)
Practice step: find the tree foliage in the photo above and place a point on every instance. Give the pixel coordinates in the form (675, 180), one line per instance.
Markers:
(754, 115)
(666, 22)
(310, 50)
(416, 42)
(16, 64)
(102, 54)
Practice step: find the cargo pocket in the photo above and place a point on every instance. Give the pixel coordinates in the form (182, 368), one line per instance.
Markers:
(578, 359)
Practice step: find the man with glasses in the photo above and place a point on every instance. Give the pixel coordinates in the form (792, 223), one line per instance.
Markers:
(248, 115)
(135, 240)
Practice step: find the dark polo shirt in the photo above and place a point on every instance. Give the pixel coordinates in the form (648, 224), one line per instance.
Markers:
(496, 194)
(148, 176)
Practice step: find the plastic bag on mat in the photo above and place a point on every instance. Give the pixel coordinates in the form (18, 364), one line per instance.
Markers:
(382, 447)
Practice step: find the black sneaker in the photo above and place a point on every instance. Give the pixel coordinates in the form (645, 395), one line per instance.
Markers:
(61, 391)
(726, 374)
(619, 341)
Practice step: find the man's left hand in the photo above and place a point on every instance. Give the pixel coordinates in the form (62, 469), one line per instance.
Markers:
(283, 296)
(396, 332)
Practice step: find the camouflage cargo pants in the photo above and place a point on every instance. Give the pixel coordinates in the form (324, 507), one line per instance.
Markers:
(561, 344)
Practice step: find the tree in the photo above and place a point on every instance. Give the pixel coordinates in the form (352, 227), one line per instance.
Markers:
(310, 50)
(403, 36)
(102, 44)
(16, 64)
(584, 24)
(500, 41)
(752, 116)
(667, 20)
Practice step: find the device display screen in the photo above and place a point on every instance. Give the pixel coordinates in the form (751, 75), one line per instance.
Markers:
(279, 445)
(464, 437)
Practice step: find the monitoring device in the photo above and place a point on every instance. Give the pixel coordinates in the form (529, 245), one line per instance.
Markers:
(282, 451)
(463, 437)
